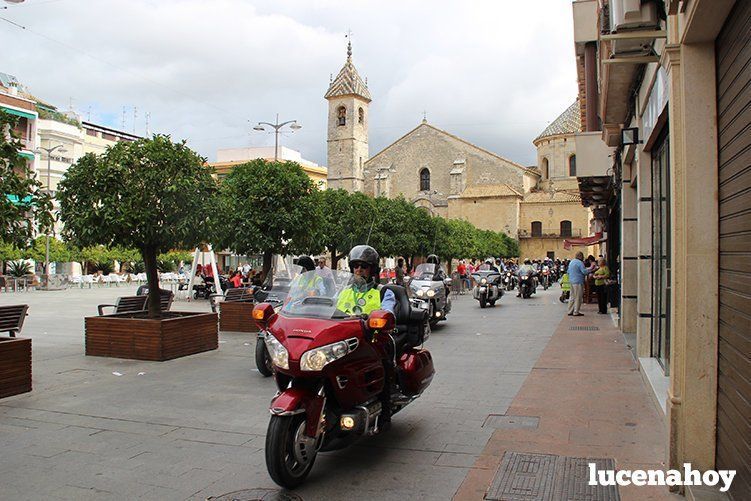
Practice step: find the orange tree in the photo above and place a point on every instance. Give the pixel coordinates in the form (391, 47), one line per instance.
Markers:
(152, 194)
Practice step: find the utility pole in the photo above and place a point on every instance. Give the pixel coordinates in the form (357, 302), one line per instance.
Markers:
(49, 192)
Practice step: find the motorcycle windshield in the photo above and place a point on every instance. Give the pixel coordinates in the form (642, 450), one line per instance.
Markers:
(424, 271)
(319, 295)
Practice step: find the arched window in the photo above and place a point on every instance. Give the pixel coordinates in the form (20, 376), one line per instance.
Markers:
(545, 173)
(565, 228)
(360, 116)
(572, 165)
(425, 180)
(536, 228)
(341, 115)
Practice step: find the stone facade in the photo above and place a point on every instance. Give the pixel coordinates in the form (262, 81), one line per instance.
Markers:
(551, 210)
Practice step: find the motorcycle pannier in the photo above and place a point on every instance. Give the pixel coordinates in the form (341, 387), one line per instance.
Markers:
(415, 371)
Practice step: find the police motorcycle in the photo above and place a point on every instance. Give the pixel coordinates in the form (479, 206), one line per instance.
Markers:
(429, 293)
(274, 291)
(487, 289)
(340, 374)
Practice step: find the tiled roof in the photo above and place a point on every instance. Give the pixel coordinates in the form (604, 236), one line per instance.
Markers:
(567, 122)
(537, 197)
(348, 81)
(489, 190)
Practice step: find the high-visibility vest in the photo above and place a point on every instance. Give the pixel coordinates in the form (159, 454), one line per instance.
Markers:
(354, 302)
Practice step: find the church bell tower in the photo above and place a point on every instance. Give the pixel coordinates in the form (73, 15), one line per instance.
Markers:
(348, 98)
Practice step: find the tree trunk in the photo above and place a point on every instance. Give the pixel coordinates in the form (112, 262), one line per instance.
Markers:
(267, 255)
(152, 279)
(334, 259)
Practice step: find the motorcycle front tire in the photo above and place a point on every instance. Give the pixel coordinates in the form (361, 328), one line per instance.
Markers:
(279, 447)
(483, 301)
(263, 361)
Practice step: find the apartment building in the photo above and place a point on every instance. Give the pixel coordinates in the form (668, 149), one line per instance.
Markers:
(665, 160)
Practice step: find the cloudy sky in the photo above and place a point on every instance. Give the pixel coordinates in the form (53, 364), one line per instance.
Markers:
(494, 72)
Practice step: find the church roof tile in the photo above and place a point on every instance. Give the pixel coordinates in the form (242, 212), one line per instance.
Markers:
(567, 122)
(348, 81)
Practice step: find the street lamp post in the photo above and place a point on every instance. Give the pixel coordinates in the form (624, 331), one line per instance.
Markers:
(277, 127)
(49, 192)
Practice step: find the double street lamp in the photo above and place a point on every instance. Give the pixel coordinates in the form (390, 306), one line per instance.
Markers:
(60, 149)
(277, 127)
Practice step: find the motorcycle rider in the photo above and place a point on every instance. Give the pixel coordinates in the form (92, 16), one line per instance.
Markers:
(438, 274)
(364, 296)
(526, 269)
(310, 281)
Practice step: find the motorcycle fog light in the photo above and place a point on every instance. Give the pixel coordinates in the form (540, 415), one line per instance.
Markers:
(437, 313)
(347, 422)
(431, 293)
(484, 281)
(420, 292)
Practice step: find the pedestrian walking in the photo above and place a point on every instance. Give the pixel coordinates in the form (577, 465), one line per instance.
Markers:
(601, 277)
(576, 275)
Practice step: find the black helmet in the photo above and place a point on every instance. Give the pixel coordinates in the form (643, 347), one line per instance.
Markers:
(527, 261)
(306, 262)
(433, 259)
(365, 254)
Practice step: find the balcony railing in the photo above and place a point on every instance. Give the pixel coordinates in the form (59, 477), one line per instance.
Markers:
(551, 233)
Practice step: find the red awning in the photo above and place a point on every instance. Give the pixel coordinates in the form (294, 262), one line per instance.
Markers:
(583, 242)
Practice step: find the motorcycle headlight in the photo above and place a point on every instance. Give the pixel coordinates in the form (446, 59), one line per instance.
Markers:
(484, 281)
(419, 292)
(317, 358)
(277, 352)
(524, 277)
(430, 293)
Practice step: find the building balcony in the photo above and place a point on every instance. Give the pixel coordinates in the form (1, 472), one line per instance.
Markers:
(551, 233)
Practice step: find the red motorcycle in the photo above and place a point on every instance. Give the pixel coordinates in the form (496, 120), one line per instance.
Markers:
(340, 376)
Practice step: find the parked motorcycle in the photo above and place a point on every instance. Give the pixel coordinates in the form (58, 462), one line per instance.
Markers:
(488, 289)
(430, 293)
(340, 377)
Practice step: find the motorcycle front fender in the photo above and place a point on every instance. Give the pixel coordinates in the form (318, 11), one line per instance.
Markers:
(298, 401)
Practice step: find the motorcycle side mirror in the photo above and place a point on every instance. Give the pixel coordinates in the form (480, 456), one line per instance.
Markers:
(262, 313)
(381, 320)
(447, 281)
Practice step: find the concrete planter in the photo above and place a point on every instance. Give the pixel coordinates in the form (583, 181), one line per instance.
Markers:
(236, 316)
(15, 366)
(134, 336)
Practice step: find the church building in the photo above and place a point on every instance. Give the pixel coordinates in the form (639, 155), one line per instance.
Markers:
(453, 178)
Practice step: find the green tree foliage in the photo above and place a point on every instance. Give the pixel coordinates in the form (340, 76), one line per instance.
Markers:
(268, 208)
(344, 221)
(24, 208)
(59, 251)
(151, 194)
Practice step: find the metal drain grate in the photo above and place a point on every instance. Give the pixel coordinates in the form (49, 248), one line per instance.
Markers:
(257, 495)
(547, 477)
(583, 328)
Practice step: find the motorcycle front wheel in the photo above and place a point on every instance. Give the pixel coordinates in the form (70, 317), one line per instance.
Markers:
(263, 360)
(483, 301)
(289, 453)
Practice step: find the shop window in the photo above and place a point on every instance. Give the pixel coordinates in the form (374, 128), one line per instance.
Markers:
(425, 180)
(565, 228)
(341, 114)
(536, 228)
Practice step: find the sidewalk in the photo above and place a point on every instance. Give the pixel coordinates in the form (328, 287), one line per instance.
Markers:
(591, 402)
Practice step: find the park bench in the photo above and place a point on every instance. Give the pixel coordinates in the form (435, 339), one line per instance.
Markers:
(131, 304)
(12, 317)
(243, 294)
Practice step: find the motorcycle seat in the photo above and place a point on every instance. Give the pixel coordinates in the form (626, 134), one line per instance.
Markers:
(409, 330)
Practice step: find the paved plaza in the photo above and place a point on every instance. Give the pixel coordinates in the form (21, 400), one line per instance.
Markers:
(192, 428)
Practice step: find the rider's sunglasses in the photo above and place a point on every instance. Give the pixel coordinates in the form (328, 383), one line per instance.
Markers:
(359, 265)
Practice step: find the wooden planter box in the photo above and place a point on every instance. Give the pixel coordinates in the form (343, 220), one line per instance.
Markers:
(15, 366)
(236, 316)
(132, 335)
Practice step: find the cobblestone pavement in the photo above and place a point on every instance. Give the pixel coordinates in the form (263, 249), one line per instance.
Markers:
(99, 428)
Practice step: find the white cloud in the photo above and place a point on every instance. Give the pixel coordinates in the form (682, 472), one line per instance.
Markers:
(493, 72)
